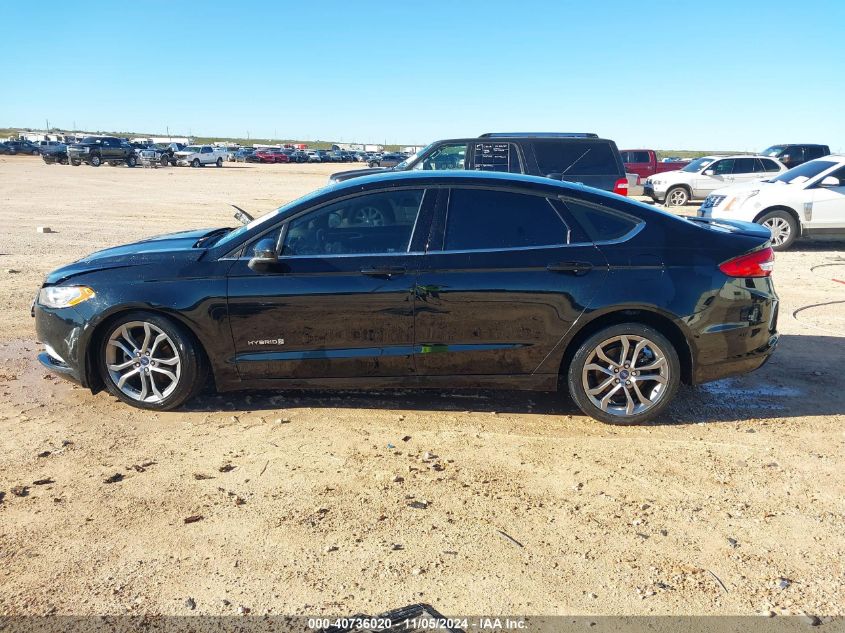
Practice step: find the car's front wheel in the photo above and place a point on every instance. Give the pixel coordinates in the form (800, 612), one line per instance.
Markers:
(150, 362)
(783, 226)
(677, 197)
(195, 162)
(131, 161)
(624, 374)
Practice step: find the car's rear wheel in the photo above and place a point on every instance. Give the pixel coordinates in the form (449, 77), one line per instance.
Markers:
(164, 160)
(624, 374)
(195, 162)
(677, 197)
(95, 161)
(76, 163)
(783, 226)
(150, 362)
(219, 162)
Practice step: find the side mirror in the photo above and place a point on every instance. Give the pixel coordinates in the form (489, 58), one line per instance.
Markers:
(264, 255)
(830, 181)
(709, 172)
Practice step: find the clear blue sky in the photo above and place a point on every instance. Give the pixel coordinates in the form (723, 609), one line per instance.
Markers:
(705, 74)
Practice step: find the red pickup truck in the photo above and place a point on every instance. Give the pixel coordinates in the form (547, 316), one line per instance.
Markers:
(644, 163)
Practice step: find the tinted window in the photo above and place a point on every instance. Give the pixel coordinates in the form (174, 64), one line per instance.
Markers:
(579, 158)
(815, 151)
(635, 157)
(793, 154)
(373, 223)
(483, 219)
(599, 224)
(804, 172)
(723, 167)
(497, 157)
(840, 174)
(769, 165)
(743, 165)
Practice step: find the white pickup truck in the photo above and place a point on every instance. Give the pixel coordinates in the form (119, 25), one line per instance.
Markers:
(199, 156)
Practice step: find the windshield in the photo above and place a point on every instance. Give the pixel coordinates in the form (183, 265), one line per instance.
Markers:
(804, 172)
(269, 217)
(698, 164)
(774, 150)
(404, 164)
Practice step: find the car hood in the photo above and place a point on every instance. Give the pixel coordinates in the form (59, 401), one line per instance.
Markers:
(340, 176)
(176, 246)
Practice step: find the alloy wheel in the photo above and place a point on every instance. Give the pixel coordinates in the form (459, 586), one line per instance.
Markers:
(143, 362)
(677, 198)
(780, 230)
(625, 375)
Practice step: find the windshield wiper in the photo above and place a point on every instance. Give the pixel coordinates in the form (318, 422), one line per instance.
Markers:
(242, 216)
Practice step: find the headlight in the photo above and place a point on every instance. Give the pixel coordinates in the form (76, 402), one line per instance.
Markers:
(741, 199)
(64, 296)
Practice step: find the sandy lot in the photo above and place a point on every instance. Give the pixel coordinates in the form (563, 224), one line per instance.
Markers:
(734, 504)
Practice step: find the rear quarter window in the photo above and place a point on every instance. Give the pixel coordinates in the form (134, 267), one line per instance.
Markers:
(598, 224)
(576, 158)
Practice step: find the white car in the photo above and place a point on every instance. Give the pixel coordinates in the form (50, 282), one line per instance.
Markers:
(200, 155)
(806, 201)
(704, 175)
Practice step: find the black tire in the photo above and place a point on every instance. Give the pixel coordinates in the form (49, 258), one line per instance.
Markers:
(63, 160)
(76, 163)
(783, 226)
(34, 152)
(193, 368)
(677, 197)
(575, 374)
(195, 162)
(218, 162)
(13, 152)
(95, 161)
(164, 160)
(131, 161)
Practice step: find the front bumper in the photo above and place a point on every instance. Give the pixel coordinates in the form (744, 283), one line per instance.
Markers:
(656, 194)
(60, 332)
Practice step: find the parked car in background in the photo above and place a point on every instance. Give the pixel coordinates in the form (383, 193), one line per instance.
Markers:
(21, 147)
(96, 150)
(807, 201)
(324, 155)
(265, 155)
(313, 156)
(577, 157)
(168, 152)
(508, 281)
(242, 154)
(4, 148)
(199, 156)
(387, 160)
(793, 155)
(704, 175)
(644, 163)
(54, 152)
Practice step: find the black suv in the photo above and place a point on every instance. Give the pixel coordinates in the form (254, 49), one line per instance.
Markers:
(793, 155)
(575, 157)
(96, 150)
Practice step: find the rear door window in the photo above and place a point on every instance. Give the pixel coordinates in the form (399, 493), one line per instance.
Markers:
(579, 158)
(743, 165)
(769, 165)
(483, 219)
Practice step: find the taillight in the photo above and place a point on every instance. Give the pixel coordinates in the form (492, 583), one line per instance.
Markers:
(756, 264)
(621, 187)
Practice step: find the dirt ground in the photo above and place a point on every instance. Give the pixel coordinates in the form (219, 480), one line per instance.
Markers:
(364, 502)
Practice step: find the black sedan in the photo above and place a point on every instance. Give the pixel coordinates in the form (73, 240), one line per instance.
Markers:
(386, 160)
(423, 279)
